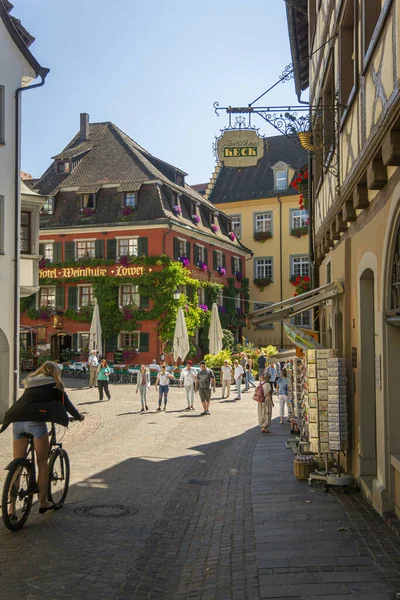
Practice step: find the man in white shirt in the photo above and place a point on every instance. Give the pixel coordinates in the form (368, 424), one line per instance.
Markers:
(154, 366)
(238, 375)
(93, 362)
(187, 379)
(226, 378)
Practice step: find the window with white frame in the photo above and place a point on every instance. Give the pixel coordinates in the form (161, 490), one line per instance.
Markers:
(263, 268)
(128, 247)
(129, 294)
(202, 295)
(218, 259)
(47, 297)
(238, 301)
(48, 251)
(299, 218)
(281, 180)
(182, 247)
(201, 253)
(83, 340)
(85, 248)
(47, 208)
(88, 201)
(236, 264)
(130, 199)
(259, 306)
(237, 225)
(26, 232)
(129, 339)
(263, 221)
(300, 266)
(302, 320)
(220, 298)
(85, 295)
(63, 166)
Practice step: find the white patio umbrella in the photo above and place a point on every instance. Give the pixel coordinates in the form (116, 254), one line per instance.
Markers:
(181, 338)
(215, 334)
(95, 331)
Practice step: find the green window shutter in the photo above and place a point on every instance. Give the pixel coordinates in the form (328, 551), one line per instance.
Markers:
(195, 254)
(241, 265)
(143, 246)
(176, 248)
(60, 298)
(224, 260)
(144, 302)
(207, 297)
(188, 250)
(72, 297)
(69, 250)
(57, 252)
(206, 256)
(99, 248)
(112, 249)
(32, 301)
(112, 343)
(75, 341)
(41, 250)
(214, 260)
(144, 342)
(233, 265)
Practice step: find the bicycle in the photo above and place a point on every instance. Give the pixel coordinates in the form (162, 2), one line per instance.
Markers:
(20, 485)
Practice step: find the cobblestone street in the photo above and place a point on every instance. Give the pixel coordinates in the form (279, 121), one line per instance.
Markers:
(174, 505)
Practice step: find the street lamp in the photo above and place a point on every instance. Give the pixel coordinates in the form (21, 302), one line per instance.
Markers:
(177, 295)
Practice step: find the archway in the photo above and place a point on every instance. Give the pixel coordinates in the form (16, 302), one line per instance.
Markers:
(4, 374)
(368, 425)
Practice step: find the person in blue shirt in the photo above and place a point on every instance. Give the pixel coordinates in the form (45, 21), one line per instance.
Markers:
(283, 395)
(262, 361)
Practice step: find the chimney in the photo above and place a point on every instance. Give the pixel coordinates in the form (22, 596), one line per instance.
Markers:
(84, 130)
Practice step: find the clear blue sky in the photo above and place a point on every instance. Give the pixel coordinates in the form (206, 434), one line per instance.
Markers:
(154, 68)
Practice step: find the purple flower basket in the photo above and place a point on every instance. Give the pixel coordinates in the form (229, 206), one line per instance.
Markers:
(177, 210)
(126, 211)
(222, 309)
(88, 211)
(232, 236)
(124, 260)
(222, 271)
(239, 275)
(214, 228)
(203, 307)
(184, 260)
(203, 266)
(196, 219)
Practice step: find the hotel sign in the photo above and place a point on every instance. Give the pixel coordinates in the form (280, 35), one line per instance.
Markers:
(109, 271)
(240, 148)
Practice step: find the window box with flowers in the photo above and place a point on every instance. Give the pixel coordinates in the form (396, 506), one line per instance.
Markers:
(299, 231)
(221, 271)
(262, 236)
(196, 219)
(127, 211)
(301, 283)
(301, 185)
(177, 210)
(262, 282)
(184, 260)
(87, 212)
(232, 236)
(214, 228)
(202, 266)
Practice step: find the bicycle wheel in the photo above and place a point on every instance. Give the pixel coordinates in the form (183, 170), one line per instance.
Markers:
(58, 477)
(17, 497)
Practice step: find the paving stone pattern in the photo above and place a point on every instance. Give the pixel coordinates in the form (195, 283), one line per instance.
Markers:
(198, 508)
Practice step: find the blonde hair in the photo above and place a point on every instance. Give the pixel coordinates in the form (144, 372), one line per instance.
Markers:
(48, 369)
(145, 368)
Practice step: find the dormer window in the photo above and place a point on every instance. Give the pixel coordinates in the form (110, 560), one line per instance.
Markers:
(63, 166)
(212, 218)
(48, 206)
(130, 199)
(88, 201)
(281, 180)
(179, 179)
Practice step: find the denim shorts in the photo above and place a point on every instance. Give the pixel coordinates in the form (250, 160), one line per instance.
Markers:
(35, 428)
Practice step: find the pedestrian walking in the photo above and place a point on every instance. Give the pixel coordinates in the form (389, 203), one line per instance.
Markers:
(262, 361)
(266, 405)
(238, 376)
(188, 380)
(226, 379)
(205, 380)
(243, 360)
(103, 378)
(271, 370)
(283, 396)
(162, 382)
(154, 366)
(93, 362)
(249, 378)
(142, 385)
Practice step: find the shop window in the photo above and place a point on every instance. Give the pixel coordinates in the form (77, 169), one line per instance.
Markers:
(83, 341)
(85, 249)
(88, 201)
(48, 206)
(259, 306)
(371, 10)
(299, 219)
(263, 222)
(302, 320)
(25, 244)
(63, 166)
(263, 268)
(281, 180)
(347, 50)
(236, 225)
(129, 339)
(129, 295)
(130, 199)
(300, 266)
(128, 247)
(47, 297)
(85, 295)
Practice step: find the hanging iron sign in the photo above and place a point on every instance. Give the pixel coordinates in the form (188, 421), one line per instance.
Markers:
(240, 148)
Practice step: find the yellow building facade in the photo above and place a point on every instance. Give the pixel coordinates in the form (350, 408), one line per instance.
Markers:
(353, 77)
(260, 200)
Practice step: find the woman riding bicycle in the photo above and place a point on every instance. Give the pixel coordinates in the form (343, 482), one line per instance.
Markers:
(43, 400)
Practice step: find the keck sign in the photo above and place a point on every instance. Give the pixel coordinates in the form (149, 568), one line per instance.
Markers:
(240, 148)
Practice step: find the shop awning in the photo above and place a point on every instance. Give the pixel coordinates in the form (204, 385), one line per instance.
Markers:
(295, 305)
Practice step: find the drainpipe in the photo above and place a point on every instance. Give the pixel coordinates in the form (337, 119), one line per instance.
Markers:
(280, 259)
(163, 249)
(17, 224)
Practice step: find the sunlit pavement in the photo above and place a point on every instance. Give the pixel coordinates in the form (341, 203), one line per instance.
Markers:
(178, 505)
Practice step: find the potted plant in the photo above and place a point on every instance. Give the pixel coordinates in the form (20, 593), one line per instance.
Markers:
(221, 271)
(196, 219)
(302, 284)
(184, 260)
(202, 266)
(232, 236)
(88, 212)
(177, 210)
(262, 236)
(214, 228)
